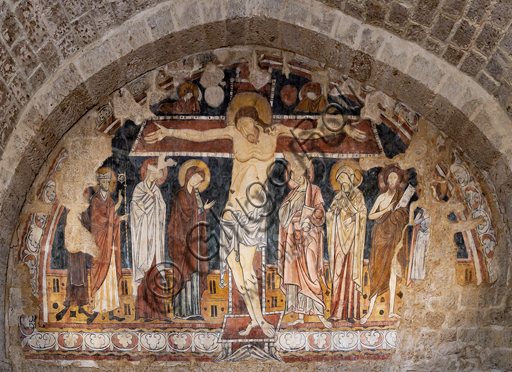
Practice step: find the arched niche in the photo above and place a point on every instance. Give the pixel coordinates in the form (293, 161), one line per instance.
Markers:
(456, 197)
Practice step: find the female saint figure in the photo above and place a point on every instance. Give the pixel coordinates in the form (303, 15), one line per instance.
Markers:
(187, 240)
(346, 231)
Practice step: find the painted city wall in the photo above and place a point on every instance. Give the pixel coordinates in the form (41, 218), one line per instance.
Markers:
(243, 204)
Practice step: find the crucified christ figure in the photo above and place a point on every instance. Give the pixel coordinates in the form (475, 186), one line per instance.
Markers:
(254, 145)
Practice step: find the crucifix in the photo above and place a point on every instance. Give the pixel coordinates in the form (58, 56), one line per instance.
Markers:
(254, 139)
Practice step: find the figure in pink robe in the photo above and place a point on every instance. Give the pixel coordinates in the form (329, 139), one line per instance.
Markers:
(301, 249)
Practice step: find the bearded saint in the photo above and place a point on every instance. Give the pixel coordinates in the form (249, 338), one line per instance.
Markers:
(390, 220)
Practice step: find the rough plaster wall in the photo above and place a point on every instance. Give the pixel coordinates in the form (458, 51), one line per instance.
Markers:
(444, 326)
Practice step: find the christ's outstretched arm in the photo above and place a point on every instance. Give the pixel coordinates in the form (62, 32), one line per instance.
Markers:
(189, 134)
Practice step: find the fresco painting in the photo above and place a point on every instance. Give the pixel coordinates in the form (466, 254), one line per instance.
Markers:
(246, 210)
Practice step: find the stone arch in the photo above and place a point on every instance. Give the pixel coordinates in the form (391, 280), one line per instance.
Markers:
(169, 31)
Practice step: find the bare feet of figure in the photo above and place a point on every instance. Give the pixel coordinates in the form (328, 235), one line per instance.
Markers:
(364, 319)
(325, 322)
(268, 329)
(251, 325)
(295, 322)
(394, 315)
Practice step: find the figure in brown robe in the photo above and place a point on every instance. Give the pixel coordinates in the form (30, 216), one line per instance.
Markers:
(312, 100)
(387, 232)
(105, 227)
(77, 286)
(187, 246)
(186, 104)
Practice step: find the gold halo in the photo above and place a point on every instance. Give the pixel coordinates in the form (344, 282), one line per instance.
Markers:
(249, 99)
(358, 173)
(185, 85)
(195, 163)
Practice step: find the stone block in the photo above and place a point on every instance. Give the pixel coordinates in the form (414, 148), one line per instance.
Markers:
(361, 66)
(167, 48)
(85, 29)
(290, 38)
(454, 7)
(353, 9)
(20, 90)
(438, 111)
(415, 33)
(212, 10)
(399, 14)
(30, 16)
(265, 8)
(487, 82)
(5, 131)
(108, 79)
(453, 55)
(503, 94)
(425, 11)
(49, 57)
(11, 29)
(296, 13)
(442, 27)
(414, 94)
(497, 65)
(56, 21)
(140, 5)
(501, 12)
(464, 34)
(215, 34)
(347, 31)
(376, 11)
(235, 8)
(385, 78)
(263, 32)
(68, 45)
(477, 9)
(187, 15)
(371, 41)
(122, 9)
(236, 31)
(433, 46)
(323, 19)
(95, 59)
(161, 23)
(7, 65)
(487, 39)
(75, 8)
(340, 57)
(426, 70)
(25, 57)
(506, 42)
(130, 38)
(104, 18)
(472, 63)
(136, 63)
(396, 53)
